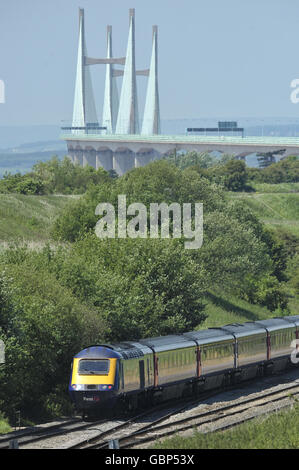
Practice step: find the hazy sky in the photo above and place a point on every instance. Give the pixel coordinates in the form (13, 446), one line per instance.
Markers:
(216, 58)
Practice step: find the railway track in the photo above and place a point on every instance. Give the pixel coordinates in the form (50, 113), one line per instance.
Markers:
(38, 433)
(157, 423)
(162, 411)
(35, 434)
(107, 426)
(140, 434)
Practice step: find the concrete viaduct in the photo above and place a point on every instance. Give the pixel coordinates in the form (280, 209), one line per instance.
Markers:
(123, 152)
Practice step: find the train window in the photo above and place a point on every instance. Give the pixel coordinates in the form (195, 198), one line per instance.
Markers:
(94, 366)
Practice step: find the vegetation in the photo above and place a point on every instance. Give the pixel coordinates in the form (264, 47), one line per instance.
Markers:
(277, 431)
(4, 425)
(78, 290)
(53, 176)
(233, 175)
(28, 218)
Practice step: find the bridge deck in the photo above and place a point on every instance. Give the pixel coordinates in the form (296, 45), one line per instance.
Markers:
(186, 139)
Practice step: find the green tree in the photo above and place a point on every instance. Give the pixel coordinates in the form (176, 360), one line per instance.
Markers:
(142, 287)
(42, 325)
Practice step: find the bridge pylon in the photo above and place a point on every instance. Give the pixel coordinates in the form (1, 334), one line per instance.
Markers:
(111, 101)
(84, 111)
(128, 118)
(151, 117)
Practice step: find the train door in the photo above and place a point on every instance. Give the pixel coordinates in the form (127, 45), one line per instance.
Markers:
(141, 375)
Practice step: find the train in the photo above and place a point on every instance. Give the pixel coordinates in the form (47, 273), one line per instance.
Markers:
(123, 377)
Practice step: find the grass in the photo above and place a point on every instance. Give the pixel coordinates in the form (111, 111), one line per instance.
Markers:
(276, 188)
(28, 218)
(279, 430)
(4, 426)
(224, 308)
(277, 210)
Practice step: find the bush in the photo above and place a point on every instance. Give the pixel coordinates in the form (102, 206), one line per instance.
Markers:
(54, 176)
(266, 291)
(42, 325)
(141, 287)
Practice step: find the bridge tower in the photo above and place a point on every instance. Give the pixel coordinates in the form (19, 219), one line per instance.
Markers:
(128, 119)
(84, 111)
(110, 108)
(151, 118)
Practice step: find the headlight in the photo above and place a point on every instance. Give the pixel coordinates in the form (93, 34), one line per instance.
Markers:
(106, 387)
(78, 386)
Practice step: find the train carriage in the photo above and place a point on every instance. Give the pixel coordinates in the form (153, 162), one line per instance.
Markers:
(250, 348)
(175, 363)
(135, 374)
(215, 356)
(280, 334)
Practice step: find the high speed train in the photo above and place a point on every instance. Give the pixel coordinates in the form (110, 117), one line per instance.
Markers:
(135, 374)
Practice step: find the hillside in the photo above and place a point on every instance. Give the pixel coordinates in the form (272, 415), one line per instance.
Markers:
(276, 209)
(277, 205)
(28, 218)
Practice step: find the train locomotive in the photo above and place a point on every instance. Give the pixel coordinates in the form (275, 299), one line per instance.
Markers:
(125, 376)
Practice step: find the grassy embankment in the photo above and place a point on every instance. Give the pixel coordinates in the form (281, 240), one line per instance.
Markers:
(276, 431)
(277, 206)
(26, 219)
(29, 219)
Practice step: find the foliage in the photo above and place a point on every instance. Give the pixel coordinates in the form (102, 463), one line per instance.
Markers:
(293, 272)
(54, 176)
(233, 174)
(55, 301)
(266, 291)
(236, 244)
(202, 159)
(157, 182)
(41, 323)
(143, 288)
(4, 425)
(23, 184)
(231, 251)
(285, 170)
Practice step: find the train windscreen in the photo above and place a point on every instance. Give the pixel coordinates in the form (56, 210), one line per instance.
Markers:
(94, 367)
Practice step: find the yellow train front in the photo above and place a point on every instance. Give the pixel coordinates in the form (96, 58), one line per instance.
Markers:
(97, 377)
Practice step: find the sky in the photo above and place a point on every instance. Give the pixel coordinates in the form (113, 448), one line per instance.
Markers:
(227, 58)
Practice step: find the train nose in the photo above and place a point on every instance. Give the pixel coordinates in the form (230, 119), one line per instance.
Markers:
(86, 387)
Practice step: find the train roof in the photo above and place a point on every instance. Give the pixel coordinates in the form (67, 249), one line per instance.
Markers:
(130, 349)
(208, 336)
(292, 319)
(273, 324)
(97, 352)
(244, 329)
(125, 350)
(165, 343)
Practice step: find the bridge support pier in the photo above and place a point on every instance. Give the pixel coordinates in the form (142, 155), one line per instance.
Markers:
(104, 159)
(89, 158)
(71, 155)
(143, 158)
(123, 161)
(78, 157)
